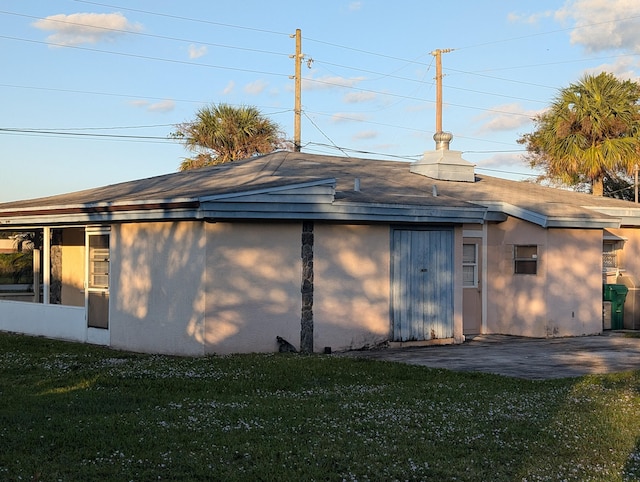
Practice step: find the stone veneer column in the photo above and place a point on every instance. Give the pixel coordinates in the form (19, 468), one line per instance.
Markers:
(306, 321)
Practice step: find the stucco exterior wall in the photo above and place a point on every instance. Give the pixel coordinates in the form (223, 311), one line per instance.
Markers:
(629, 257)
(253, 277)
(574, 282)
(51, 321)
(73, 266)
(562, 299)
(158, 287)
(351, 286)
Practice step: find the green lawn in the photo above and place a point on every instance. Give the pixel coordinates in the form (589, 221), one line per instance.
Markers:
(75, 412)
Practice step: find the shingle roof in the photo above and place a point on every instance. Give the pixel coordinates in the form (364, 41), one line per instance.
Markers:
(388, 183)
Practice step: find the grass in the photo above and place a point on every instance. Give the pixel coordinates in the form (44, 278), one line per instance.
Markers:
(74, 412)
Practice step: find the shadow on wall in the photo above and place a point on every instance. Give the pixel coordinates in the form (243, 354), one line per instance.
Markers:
(157, 287)
(198, 288)
(253, 286)
(563, 298)
(351, 286)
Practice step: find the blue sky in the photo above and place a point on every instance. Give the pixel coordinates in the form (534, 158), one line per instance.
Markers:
(91, 90)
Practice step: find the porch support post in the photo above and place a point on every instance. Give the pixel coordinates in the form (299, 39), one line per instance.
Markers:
(46, 264)
(36, 274)
(306, 321)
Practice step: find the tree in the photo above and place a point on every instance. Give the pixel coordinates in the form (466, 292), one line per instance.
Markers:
(223, 133)
(589, 133)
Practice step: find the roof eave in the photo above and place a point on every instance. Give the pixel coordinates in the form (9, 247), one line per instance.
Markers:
(102, 218)
(552, 221)
(343, 211)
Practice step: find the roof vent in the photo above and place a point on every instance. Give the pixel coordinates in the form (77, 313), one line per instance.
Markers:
(442, 140)
(443, 164)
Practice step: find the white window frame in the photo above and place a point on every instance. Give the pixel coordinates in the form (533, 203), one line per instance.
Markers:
(612, 254)
(473, 264)
(519, 258)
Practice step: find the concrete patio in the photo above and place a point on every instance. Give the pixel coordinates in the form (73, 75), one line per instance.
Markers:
(528, 358)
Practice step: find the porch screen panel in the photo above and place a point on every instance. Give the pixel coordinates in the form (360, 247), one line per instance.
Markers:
(98, 309)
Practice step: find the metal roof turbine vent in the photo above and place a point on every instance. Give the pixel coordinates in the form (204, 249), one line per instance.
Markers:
(442, 140)
(443, 164)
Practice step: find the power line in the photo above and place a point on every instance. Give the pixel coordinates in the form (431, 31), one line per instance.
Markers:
(11, 130)
(143, 34)
(346, 47)
(178, 17)
(551, 32)
(144, 57)
(325, 135)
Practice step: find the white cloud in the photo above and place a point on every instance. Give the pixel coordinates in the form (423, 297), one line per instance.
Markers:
(340, 117)
(197, 52)
(601, 25)
(513, 160)
(256, 87)
(329, 82)
(162, 106)
(357, 97)
(623, 68)
(355, 6)
(529, 18)
(229, 88)
(139, 103)
(507, 165)
(85, 28)
(506, 117)
(364, 135)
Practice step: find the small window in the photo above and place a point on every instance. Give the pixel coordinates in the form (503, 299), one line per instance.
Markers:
(610, 256)
(469, 265)
(526, 259)
(99, 261)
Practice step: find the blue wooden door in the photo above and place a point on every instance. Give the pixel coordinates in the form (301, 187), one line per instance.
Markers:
(422, 284)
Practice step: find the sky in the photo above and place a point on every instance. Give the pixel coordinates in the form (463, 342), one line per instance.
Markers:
(91, 91)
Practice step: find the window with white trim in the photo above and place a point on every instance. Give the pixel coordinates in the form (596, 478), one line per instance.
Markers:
(610, 256)
(470, 265)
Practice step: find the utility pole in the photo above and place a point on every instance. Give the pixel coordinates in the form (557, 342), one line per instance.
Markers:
(298, 56)
(438, 55)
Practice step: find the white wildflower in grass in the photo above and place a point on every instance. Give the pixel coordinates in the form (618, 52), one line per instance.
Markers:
(122, 416)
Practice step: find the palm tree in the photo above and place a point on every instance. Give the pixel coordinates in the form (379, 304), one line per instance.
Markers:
(223, 133)
(589, 132)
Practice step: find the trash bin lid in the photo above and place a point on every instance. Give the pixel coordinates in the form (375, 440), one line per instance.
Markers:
(620, 289)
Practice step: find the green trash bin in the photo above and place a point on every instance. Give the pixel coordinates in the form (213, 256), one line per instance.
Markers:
(616, 294)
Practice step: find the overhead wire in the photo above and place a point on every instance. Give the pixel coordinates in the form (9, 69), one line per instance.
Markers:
(178, 17)
(144, 34)
(255, 50)
(309, 80)
(145, 57)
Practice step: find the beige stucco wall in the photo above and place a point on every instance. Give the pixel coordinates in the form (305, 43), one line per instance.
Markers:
(73, 266)
(158, 287)
(351, 286)
(574, 282)
(629, 257)
(562, 299)
(253, 277)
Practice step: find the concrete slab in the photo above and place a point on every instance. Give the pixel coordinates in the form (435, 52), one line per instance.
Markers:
(528, 358)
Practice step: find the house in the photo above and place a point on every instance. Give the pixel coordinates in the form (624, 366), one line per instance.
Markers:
(326, 252)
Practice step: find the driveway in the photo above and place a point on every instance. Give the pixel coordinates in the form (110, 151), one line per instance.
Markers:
(529, 358)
